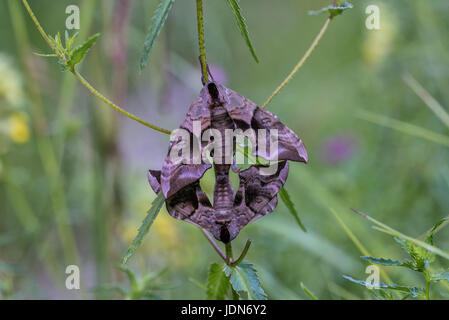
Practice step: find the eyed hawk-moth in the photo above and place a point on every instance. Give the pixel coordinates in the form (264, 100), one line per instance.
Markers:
(219, 108)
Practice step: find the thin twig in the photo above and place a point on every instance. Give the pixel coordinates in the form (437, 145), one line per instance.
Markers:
(214, 244)
(113, 105)
(84, 81)
(201, 40)
(243, 254)
(229, 258)
(300, 63)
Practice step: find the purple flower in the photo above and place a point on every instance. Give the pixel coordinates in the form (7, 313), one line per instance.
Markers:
(339, 148)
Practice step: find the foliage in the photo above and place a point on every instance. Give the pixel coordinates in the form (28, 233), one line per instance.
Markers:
(145, 227)
(139, 288)
(68, 56)
(234, 4)
(420, 261)
(333, 10)
(159, 18)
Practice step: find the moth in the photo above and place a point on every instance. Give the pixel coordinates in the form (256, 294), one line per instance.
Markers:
(222, 110)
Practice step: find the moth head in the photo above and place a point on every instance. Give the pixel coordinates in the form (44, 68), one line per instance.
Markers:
(214, 93)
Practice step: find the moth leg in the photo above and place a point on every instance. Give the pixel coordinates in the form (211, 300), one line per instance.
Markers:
(234, 167)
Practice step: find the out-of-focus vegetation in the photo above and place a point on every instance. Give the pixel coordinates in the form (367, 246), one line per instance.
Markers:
(73, 185)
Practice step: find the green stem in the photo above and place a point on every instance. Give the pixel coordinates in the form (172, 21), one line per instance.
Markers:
(427, 285)
(83, 81)
(300, 63)
(201, 41)
(214, 244)
(113, 105)
(242, 255)
(229, 259)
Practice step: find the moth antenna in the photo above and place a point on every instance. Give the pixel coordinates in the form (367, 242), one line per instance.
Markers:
(202, 72)
(210, 74)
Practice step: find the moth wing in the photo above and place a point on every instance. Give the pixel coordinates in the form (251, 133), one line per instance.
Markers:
(239, 108)
(177, 174)
(256, 197)
(261, 190)
(246, 114)
(290, 146)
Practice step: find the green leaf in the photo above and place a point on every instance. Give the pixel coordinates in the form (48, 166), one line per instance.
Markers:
(333, 11)
(217, 282)
(383, 295)
(308, 292)
(431, 233)
(45, 55)
(78, 54)
(244, 279)
(131, 277)
(145, 227)
(383, 261)
(421, 257)
(405, 127)
(440, 276)
(70, 41)
(414, 291)
(291, 207)
(159, 18)
(242, 26)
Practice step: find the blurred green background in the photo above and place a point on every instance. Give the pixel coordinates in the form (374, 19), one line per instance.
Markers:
(73, 185)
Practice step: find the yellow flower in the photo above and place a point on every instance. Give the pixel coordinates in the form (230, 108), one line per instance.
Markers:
(18, 128)
(11, 89)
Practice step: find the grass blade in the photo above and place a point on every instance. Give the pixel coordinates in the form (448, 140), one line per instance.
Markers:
(159, 18)
(405, 127)
(308, 292)
(427, 98)
(242, 26)
(388, 230)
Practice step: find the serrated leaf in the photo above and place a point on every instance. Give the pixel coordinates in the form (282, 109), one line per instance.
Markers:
(333, 11)
(244, 279)
(159, 18)
(414, 291)
(430, 235)
(308, 292)
(71, 41)
(382, 295)
(45, 55)
(440, 276)
(421, 257)
(384, 262)
(285, 197)
(217, 282)
(131, 276)
(145, 227)
(242, 26)
(79, 53)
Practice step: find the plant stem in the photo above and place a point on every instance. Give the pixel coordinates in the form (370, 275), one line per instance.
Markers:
(44, 144)
(41, 30)
(214, 244)
(113, 105)
(83, 81)
(427, 285)
(243, 254)
(229, 260)
(300, 63)
(201, 40)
